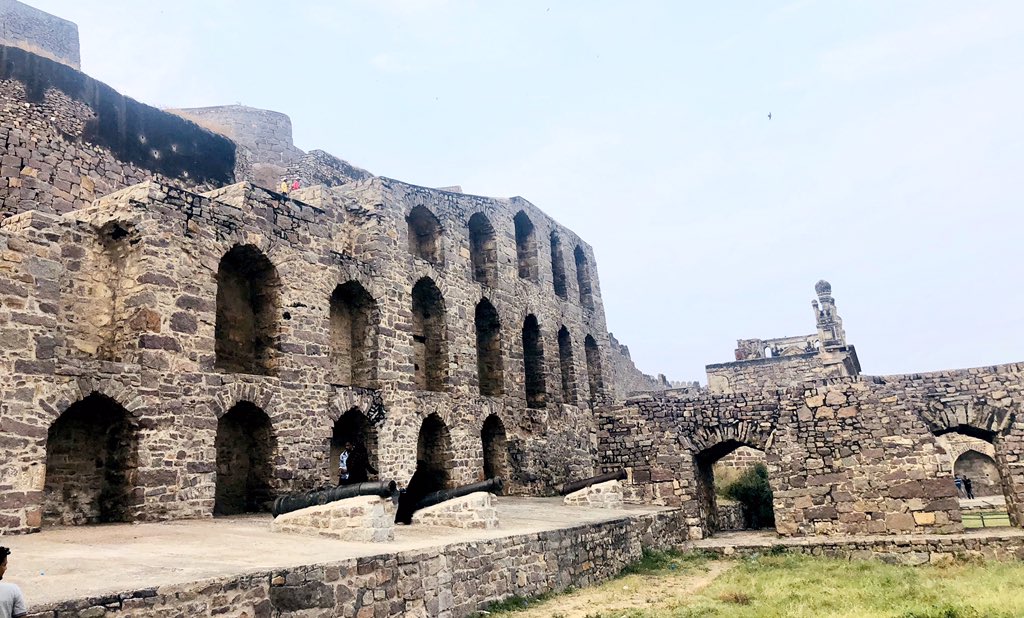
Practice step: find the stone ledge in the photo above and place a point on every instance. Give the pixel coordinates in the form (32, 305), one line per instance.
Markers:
(361, 519)
(607, 495)
(477, 510)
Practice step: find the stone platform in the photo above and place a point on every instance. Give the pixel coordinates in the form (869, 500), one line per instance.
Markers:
(988, 543)
(236, 564)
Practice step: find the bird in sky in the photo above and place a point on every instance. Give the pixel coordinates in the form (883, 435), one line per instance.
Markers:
(769, 115)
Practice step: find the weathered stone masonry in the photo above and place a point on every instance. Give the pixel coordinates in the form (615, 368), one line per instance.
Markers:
(846, 456)
(173, 318)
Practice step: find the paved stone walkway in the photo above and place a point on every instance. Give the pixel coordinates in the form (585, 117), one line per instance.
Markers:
(763, 538)
(987, 502)
(74, 562)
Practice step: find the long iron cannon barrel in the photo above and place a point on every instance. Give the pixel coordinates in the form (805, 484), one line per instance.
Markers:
(294, 502)
(568, 488)
(493, 485)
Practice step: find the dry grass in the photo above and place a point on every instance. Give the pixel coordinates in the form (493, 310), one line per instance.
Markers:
(790, 586)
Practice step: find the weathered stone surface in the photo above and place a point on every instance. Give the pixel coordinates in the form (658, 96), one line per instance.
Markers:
(477, 510)
(367, 519)
(606, 495)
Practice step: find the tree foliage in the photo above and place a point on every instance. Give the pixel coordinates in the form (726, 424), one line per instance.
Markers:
(752, 491)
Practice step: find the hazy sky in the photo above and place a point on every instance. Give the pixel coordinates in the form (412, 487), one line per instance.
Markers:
(893, 165)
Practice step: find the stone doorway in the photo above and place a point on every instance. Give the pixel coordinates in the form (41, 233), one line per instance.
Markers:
(91, 464)
(495, 446)
(434, 451)
(245, 447)
(353, 426)
(971, 454)
(733, 490)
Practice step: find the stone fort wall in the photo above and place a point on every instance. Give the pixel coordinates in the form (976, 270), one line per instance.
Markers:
(68, 140)
(39, 32)
(164, 335)
(846, 456)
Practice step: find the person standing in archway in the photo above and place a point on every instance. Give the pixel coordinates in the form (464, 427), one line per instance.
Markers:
(12, 603)
(343, 471)
(969, 487)
(359, 467)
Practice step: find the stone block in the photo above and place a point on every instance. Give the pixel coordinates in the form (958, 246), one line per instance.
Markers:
(606, 495)
(359, 519)
(477, 510)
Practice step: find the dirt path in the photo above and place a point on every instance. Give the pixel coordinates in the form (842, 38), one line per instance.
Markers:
(629, 593)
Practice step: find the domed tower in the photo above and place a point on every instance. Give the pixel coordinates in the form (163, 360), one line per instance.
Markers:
(830, 325)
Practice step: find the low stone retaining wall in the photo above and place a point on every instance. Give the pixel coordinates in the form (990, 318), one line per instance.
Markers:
(447, 582)
(910, 550)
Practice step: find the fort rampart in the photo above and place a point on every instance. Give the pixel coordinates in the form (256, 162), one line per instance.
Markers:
(854, 455)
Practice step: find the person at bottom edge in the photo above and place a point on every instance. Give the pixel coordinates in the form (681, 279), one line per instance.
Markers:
(12, 603)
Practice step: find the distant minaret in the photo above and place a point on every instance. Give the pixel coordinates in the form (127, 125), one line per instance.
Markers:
(830, 325)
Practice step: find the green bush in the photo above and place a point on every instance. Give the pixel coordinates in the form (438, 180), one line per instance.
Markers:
(752, 491)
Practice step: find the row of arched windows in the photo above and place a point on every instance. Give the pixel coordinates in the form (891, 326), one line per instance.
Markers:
(425, 234)
(246, 331)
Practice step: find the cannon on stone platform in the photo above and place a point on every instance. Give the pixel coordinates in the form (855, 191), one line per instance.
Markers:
(493, 486)
(568, 488)
(294, 502)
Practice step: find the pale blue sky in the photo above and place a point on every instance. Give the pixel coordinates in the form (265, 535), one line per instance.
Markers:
(892, 165)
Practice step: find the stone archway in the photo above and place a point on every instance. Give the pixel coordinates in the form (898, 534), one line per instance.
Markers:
(434, 453)
(245, 446)
(354, 427)
(733, 492)
(495, 448)
(91, 464)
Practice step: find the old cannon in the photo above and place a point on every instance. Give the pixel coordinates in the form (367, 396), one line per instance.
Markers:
(493, 486)
(294, 502)
(568, 488)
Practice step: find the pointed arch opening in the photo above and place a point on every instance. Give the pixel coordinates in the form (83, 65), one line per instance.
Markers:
(495, 448)
(354, 428)
(978, 473)
(595, 377)
(483, 250)
(245, 447)
(354, 327)
(526, 246)
(434, 451)
(533, 363)
(567, 366)
(558, 266)
(425, 235)
(92, 464)
(429, 334)
(733, 489)
(247, 307)
(583, 278)
(490, 372)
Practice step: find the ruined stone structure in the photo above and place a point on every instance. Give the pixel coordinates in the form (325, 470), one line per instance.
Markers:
(40, 33)
(846, 453)
(180, 342)
(788, 361)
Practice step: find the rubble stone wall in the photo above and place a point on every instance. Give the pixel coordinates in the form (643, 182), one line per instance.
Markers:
(119, 298)
(67, 139)
(41, 33)
(626, 377)
(848, 456)
(450, 582)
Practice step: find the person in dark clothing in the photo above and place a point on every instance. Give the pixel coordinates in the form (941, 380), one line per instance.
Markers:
(969, 487)
(418, 487)
(359, 467)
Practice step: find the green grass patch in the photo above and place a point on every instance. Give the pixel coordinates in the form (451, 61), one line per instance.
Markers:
(799, 586)
(655, 562)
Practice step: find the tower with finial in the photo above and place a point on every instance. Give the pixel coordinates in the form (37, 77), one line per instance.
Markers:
(830, 325)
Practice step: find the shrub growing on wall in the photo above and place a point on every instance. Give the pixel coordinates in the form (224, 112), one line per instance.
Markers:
(752, 491)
